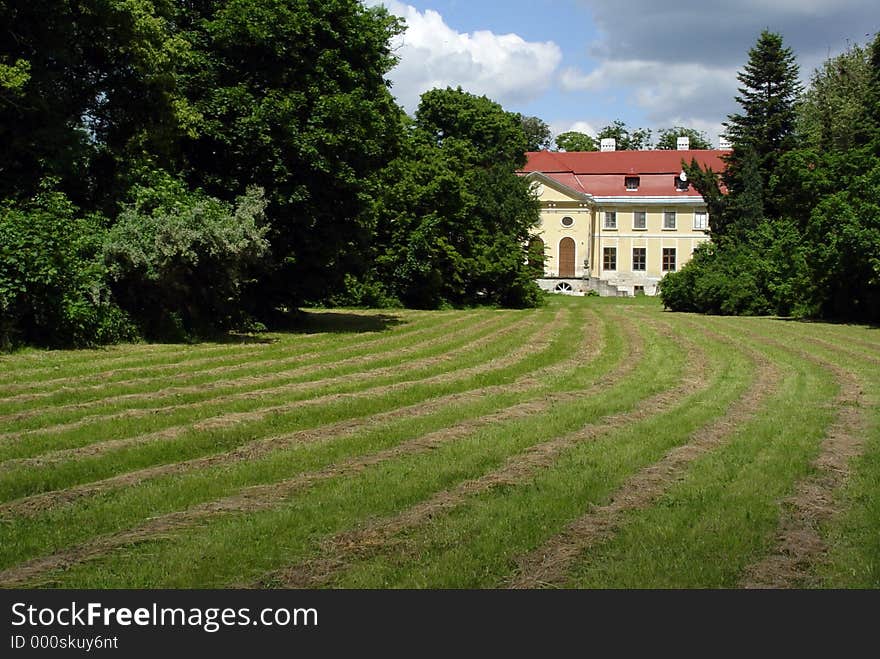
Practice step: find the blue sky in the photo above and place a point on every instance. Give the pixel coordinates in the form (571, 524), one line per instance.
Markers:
(579, 64)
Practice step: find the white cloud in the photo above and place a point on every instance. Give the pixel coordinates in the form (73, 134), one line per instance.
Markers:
(504, 67)
(685, 94)
(678, 62)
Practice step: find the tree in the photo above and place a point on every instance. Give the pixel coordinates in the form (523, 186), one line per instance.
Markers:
(575, 141)
(291, 96)
(52, 279)
(84, 87)
(833, 113)
(667, 139)
(178, 259)
(537, 133)
(766, 128)
(627, 139)
(453, 218)
(812, 249)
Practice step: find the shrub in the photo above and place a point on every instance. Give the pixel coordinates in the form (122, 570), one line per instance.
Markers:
(52, 282)
(178, 259)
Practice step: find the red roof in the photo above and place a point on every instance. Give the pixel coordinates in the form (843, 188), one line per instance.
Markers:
(603, 173)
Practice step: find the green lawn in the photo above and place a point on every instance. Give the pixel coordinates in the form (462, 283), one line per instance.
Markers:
(589, 443)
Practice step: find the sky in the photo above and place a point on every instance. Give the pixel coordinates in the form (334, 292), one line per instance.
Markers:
(580, 64)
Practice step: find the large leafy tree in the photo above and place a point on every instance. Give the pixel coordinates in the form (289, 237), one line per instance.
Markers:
(667, 138)
(291, 95)
(453, 217)
(537, 133)
(575, 141)
(627, 139)
(834, 113)
(84, 85)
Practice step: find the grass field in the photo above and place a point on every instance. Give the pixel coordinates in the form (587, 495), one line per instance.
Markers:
(590, 443)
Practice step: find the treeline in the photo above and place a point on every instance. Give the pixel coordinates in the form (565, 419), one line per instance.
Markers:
(540, 137)
(798, 232)
(175, 169)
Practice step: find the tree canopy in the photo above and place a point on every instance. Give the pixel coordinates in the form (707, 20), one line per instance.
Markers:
(627, 139)
(575, 141)
(148, 126)
(453, 218)
(799, 230)
(537, 133)
(667, 139)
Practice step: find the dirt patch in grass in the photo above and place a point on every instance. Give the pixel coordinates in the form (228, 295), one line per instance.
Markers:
(799, 545)
(35, 504)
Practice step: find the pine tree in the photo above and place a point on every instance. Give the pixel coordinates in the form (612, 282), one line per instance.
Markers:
(766, 128)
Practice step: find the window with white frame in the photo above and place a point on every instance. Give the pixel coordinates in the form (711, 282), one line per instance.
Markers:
(701, 220)
(640, 220)
(669, 220)
(610, 220)
(632, 183)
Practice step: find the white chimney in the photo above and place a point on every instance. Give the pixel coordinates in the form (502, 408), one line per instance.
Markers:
(724, 144)
(683, 143)
(608, 144)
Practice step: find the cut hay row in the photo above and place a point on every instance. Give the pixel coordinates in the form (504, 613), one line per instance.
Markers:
(244, 385)
(351, 464)
(29, 365)
(549, 564)
(594, 443)
(280, 353)
(262, 446)
(64, 467)
(37, 447)
(726, 502)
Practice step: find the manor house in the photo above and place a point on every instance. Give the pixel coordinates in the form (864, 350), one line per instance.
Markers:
(617, 221)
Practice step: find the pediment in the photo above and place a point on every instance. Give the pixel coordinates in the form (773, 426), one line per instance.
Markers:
(549, 189)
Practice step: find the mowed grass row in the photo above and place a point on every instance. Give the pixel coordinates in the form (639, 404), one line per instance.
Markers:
(172, 375)
(453, 481)
(470, 454)
(272, 376)
(111, 446)
(34, 368)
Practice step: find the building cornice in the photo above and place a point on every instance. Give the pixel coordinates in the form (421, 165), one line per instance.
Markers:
(636, 201)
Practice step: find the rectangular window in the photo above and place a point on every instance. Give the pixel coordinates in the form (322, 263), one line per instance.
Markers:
(632, 183)
(609, 258)
(701, 220)
(669, 220)
(669, 259)
(610, 220)
(639, 256)
(640, 220)
(680, 184)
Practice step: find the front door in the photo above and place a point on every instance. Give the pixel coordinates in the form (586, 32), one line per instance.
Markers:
(566, 257)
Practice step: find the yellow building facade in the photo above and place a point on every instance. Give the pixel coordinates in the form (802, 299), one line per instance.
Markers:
(616, 222)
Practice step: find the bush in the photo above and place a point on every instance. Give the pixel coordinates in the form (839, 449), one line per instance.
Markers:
(52, 281)
(179, 259)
